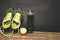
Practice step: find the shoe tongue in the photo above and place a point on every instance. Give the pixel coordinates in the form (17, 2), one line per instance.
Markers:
(17, 17)
(8, 17)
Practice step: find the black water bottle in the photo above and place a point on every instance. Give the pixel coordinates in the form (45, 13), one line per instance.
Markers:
(30, 17)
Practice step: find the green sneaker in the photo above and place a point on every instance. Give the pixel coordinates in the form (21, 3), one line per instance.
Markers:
(6, 23)
(16, 21)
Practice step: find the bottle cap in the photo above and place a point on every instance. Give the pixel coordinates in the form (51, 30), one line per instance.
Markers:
(30, 12)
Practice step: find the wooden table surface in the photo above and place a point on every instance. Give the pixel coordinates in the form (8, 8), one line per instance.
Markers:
(34, 36)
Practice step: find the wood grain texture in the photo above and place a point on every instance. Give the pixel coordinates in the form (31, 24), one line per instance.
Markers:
(34, 36)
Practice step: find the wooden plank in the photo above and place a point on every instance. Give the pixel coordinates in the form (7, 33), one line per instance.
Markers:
(34, 36)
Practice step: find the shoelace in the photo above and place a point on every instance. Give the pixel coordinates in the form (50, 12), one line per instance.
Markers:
(7, 35)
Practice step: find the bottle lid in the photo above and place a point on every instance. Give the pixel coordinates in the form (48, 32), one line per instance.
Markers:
(30, 12)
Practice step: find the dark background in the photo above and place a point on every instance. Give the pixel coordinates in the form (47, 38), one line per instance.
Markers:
(46, 12)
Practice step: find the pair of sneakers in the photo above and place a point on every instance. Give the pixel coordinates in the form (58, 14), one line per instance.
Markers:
(12, 20)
